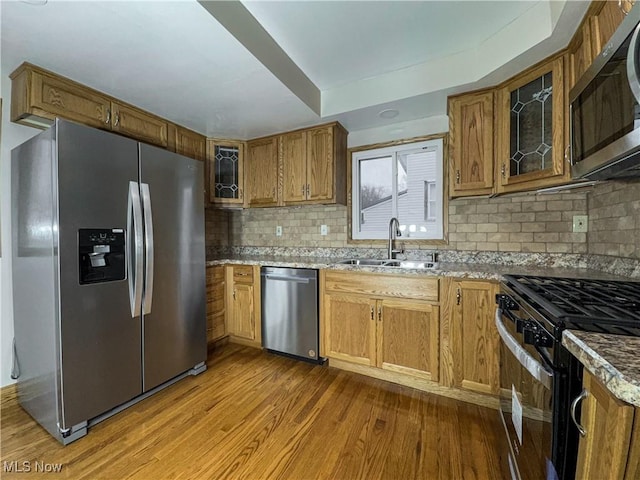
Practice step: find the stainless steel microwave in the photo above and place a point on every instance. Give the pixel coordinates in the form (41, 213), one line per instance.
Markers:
(604, 109)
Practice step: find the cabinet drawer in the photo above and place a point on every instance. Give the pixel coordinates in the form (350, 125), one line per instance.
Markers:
(243, 273)
(404, 286)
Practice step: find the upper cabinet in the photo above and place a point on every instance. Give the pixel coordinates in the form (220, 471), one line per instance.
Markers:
(314, 163)
(225, 161)
(39, 96)
(580, 54)
(187, 142)
(261, 177)
(531, 114)
(606, 17)
(471, 144)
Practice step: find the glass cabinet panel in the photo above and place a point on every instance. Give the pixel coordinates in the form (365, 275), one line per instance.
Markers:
(531, 136)
(225, 172)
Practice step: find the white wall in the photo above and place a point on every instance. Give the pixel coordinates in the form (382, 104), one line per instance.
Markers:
(399, 131)
(12, 135)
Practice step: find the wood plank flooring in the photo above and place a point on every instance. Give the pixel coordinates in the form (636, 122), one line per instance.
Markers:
(255, 415)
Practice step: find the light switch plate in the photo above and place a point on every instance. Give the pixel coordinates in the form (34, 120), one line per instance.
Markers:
(324, 229)
(580, 223)
(279, 231)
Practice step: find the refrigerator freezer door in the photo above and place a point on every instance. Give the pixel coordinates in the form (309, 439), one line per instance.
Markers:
(175, 329)
(101, 352)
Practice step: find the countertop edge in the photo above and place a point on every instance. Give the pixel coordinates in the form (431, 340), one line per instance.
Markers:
(615, 381)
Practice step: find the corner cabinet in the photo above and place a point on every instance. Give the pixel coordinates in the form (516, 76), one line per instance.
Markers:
(243, 304)
(385, 321)
(469, 340)
(531, 126)
(610, 447)
(314, 163)
(261, 177)
(187, 142)
(471, 144)
(225, 172)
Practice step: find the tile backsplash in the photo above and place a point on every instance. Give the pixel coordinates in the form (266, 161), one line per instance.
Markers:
(614, 219)
(521, 223)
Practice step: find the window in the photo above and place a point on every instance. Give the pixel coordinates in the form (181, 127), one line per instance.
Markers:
(403, 181)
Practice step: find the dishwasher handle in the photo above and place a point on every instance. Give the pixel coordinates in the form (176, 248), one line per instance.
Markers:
(288, 278)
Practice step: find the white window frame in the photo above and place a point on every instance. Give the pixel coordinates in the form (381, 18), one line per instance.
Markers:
(436, 145)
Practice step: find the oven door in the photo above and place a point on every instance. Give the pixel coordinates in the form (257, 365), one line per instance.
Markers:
(526, 382)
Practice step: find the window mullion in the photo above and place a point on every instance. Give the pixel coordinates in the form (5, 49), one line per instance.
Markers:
(394, 184)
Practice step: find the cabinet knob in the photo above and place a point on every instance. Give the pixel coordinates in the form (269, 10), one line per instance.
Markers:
(458, 297)
(503, 170)
(234, 293)
(458, 176)
(117, 119)
(303, 189)
(108, 119)
(240, 194)
(273, 194)
(567, 157)
(308, 190)
(574, 405)
(621, 6)
(371, 313)
(379, 313)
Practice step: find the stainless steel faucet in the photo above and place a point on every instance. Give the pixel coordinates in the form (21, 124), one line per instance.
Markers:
(393, 232)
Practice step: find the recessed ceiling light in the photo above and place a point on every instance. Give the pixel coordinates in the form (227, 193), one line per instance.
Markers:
(389, 113)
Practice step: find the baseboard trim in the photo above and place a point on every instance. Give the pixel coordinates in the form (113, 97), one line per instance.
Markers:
(483, 400)
(244, 341)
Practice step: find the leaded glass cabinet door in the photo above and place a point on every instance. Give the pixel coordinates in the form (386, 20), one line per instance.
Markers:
(531, 129)
(225, 159)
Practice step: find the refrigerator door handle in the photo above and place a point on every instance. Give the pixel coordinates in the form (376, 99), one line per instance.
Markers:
(148, 247)
(134, 258)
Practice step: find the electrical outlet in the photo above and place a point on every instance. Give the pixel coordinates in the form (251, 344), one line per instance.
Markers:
(580, 223)
(324, 229)
(279, 231)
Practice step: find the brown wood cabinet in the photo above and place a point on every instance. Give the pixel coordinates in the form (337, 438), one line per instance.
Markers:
(187, 142)
(471, 144)
(261, 173)
(530, 150)
(605, 19)
(384, 321)
(609, 448)
(216, 325)
(225, 172)
(580, 54)
(38, 96)
(469, 340)
(243, 304)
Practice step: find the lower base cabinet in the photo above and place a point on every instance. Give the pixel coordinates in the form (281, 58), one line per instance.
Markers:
(470, 343)
(384, 321)
(216, 325)
(610, 447)
(243, 304)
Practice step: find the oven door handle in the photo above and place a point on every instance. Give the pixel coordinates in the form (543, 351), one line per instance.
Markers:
(533, 366)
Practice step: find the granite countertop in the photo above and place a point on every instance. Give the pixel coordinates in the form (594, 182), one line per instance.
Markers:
(486, 271)
(612, 359)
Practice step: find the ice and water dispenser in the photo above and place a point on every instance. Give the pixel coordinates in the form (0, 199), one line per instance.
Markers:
(102, 255)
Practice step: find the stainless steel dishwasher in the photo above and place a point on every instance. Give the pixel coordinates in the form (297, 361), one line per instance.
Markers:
(290, 311)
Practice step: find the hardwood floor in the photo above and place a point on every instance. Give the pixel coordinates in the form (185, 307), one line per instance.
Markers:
(255, 415)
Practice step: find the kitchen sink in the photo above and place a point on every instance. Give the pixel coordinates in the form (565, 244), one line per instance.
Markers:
(363, 262)
(373, 262)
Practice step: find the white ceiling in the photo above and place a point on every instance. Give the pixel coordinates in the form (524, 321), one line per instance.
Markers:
(176, 60)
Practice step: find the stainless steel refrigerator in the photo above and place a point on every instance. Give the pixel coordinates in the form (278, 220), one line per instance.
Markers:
(108, 274)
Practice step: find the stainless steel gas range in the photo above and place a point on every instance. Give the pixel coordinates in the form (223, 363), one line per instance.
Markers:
(539, 378)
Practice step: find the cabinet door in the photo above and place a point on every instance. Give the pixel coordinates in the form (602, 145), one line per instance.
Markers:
(216, 327)
(225, 180)
(57, 97)
(320, 164)
(604, 24)
(580, 54)
(407, 337)
(189, 143)
(603, 451)
(242, 323)
(470, 342)
(140, 125)
(471, 144)
(294, 159)
(531, 129)
(350, 328)
(261, 177)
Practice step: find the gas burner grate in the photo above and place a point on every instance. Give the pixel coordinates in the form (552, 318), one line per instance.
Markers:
(581, 301)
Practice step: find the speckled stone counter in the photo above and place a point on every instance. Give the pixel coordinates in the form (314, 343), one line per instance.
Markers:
(444, 269)
(612, 359)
